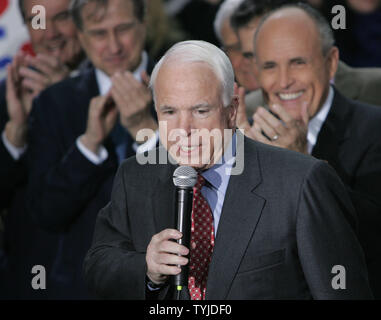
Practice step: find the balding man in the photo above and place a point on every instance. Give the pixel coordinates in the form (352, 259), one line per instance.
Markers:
(296, 60)
(360, 84)
(276, 229)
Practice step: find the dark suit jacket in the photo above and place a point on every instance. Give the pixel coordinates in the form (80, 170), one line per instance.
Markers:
(12, 173)
(66, 190)
(25, 244)
(350, 140)
(279, 236)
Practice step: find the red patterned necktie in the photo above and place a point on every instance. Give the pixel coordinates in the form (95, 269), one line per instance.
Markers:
(202, 243)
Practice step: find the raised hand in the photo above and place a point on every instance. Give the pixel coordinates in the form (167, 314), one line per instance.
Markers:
(43, 71)
(101, 120)
(285, 132)
(133, 100)
(19, 103)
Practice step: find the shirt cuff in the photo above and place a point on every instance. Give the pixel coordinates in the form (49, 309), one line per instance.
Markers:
(152, 286)
(96, 158)
(15, 152)
(148, 145)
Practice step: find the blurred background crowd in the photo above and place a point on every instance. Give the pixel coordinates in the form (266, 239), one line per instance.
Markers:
(170, 21)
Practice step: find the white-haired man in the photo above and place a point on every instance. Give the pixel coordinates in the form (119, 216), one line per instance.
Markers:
(266, 241)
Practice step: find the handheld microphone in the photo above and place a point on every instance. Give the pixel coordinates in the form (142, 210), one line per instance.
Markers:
(184, 178)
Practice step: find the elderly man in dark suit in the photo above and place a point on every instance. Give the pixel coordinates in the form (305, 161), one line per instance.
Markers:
(272, 228)
(83, 127)
(295, 60)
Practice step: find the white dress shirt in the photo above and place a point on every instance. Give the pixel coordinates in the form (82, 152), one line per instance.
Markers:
(315, 124)
(15, 152)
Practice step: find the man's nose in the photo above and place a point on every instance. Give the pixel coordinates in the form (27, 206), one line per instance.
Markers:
(285, 78)
(51, 31)
(114, 44)
(185, 123)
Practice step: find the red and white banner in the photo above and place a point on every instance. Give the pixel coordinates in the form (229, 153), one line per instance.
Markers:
(13, 33)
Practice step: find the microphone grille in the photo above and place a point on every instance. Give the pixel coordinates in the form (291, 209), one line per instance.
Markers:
(185, 177)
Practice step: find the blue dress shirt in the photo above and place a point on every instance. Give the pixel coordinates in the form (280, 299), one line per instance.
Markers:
(217, 180)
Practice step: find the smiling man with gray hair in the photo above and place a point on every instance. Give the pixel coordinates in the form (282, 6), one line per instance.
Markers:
(252, 236)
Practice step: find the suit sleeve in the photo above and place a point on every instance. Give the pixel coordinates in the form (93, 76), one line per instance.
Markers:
(365, 192)
(62, 181)
(12, 172)
(113, 268)
(326, 239)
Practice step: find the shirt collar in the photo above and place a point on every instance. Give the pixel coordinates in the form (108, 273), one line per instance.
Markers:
(104, 81)
(317, 121)
(218, 175)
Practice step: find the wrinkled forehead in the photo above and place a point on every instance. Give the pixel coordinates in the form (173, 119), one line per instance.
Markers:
(95, 12)
(186, 84)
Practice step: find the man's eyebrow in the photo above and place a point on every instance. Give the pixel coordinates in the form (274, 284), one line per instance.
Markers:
(96, 30)
(201, 105)
(269, 63)
(298, 59)
(129, 24)
(165, 107)
(62, 12)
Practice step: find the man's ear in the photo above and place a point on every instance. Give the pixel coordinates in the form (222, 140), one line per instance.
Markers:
(232, 112)
(333, 61)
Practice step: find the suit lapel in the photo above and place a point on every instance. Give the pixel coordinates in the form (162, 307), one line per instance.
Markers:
(88, 86)
(85, 90)
(333, 133)
(240, 214)
(164, 200)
